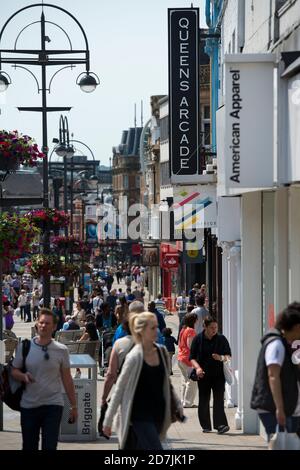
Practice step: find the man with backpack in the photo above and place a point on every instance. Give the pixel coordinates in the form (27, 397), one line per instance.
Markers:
(47, 369)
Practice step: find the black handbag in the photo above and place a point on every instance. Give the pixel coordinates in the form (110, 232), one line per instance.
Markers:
(193, 375)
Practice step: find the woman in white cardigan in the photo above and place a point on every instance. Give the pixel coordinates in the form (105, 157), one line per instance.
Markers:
(141, 401)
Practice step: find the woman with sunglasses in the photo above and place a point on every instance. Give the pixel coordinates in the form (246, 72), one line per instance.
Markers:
(47, 369)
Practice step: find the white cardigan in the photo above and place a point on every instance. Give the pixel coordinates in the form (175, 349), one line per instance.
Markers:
(121, 402)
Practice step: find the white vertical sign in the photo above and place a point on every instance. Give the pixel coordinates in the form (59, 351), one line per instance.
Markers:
(249, 121)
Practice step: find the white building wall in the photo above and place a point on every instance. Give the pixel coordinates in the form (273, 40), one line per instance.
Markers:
(164, 109)
(232, 35)
(269, 267)
(289, 19)
(280, 249)
(268, 260)
(258, 25)
(250, 313)
(294, 244)
(164, 152)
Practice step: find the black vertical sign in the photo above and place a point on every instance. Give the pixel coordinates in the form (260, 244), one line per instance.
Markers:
(184, 94)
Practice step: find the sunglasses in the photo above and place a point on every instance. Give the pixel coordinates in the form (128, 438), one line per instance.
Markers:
(45, 351)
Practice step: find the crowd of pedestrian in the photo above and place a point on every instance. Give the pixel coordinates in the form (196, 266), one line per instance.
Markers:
(137, 392)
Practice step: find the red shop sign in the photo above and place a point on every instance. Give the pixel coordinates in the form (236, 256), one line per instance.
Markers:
(170, 260)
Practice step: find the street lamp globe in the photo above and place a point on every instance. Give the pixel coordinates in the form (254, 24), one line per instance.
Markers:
(70, 151)
(93, 178)
(88, 82)
(4, 81)
(61, 150)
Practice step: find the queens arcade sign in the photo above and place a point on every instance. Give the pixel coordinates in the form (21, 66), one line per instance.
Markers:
(184, 94)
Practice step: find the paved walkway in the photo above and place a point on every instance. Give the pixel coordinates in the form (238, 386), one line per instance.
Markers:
(180, 436)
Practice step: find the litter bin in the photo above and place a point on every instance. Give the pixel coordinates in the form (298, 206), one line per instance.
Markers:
(86, 398)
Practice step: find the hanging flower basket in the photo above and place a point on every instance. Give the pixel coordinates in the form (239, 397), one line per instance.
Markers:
(16, 236)
(48, 218)
(17, 149)
(44, 265)
(71, 243)
(9, 164)
(70, 270)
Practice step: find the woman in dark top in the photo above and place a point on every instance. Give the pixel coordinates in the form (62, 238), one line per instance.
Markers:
(209, 350)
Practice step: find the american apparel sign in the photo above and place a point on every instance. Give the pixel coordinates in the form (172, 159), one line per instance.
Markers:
(249, 120)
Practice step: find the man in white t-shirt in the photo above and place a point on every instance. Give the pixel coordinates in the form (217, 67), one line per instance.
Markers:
(201, 313)
(276, 391)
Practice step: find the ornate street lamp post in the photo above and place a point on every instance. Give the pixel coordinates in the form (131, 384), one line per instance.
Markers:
(43, 57)
(65, 150)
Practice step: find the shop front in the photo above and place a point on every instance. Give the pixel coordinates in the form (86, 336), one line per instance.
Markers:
(169, 264)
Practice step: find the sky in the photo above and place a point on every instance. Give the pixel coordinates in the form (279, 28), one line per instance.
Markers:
(128, 51)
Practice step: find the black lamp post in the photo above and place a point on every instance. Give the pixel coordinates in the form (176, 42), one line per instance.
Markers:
(65, 150)
(43, 58)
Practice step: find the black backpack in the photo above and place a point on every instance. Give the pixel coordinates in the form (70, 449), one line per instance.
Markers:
(13, 398)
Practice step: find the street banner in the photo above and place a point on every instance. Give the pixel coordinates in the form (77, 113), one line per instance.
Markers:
(91, 232)
(194, 209)
(193, 254)
(184, 128)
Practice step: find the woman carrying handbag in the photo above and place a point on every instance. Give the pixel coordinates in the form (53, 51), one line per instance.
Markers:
(141, 400)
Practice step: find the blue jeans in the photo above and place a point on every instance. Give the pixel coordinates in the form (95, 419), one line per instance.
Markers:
(270, 423)
(43, 418)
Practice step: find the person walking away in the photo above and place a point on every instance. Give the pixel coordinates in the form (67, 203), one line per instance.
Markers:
(209, 350)
(90, 334)
(201, 313)
(276, 390)
(22, 299)
(193, 294)
(181, 305)
(59, 313)
(47, 370)
(187, 334)
(8, 313)
(142, 393)
(112, 300)
(159, 316)
(160, 304)
(169, 342)
(35, 299)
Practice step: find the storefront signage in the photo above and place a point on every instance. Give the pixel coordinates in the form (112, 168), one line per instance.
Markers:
(194, 208)
(249, 120)
(150, 256)
(169, 260)
(184, 94)
(91, 232)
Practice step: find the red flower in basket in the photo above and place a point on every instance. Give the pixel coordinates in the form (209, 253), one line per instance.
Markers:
(48, 218)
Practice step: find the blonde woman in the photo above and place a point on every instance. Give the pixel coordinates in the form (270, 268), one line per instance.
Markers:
(142, 392)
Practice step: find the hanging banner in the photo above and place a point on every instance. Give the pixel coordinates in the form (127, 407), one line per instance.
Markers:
(194, 209)
(193, 255)
(249, 120)
(91, 232)
(184, 130)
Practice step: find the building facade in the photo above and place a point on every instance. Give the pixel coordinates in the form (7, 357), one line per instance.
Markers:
(260, 248)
